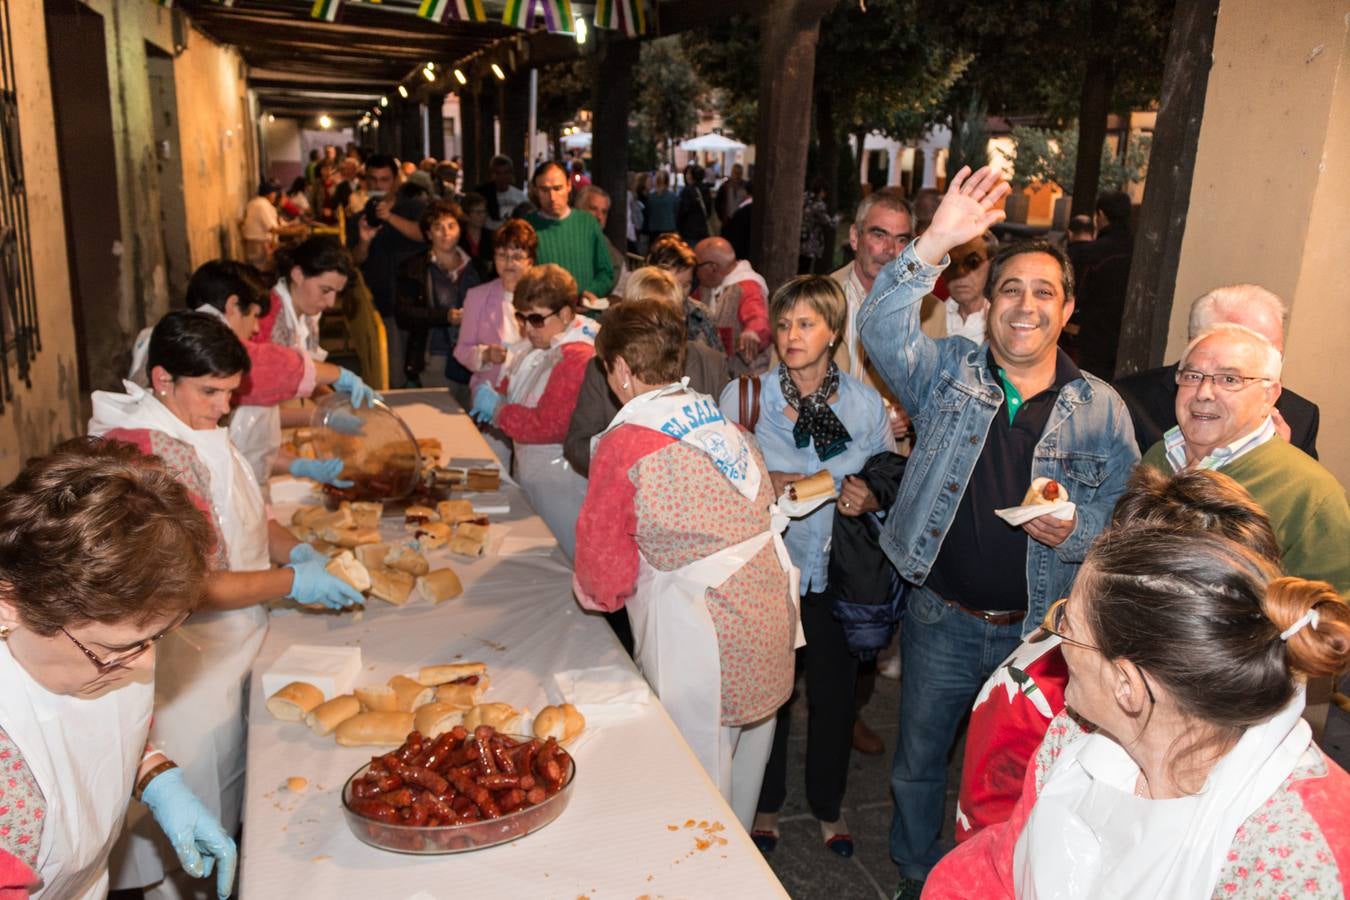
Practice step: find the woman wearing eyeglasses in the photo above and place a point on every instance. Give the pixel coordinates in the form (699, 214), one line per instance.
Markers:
(1193, 775)
(1016, 704)
(541, 390)
(101, 554)
(195, 362)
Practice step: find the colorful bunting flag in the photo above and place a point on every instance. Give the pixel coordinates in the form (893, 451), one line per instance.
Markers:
(521, 13)
(628, 16)
(460, 10)
(326, 10)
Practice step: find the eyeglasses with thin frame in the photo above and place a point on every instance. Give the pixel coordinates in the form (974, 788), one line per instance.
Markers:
(120, 660)
(1056, 621)
(511, 255)
(1226, 381)
(534, 320)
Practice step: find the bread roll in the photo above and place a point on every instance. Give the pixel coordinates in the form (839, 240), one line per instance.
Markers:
(350, 537)
(325, 548)
(439, 586)
(410, 694)
(308, 516)
(346, 567)
(391, 585)
(378, 698)
(435, 719)
(820, 484)
(470, 539)
(372, 556)
(367, 515)
(406, 559)
(375, 728)
(447, 672)
(430, 450)
(561, 723)
(415, 516)
(432, 535)
(501, 716)
(1044, 491)
(327, 716)
(301, 533)
(464, 692)
(293, 702)
(453, 511)
(484, 479)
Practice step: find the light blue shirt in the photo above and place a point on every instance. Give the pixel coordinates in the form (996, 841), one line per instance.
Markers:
(863, 414)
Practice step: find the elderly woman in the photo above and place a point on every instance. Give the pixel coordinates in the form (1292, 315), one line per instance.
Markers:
(194, 362)
(101, 555)
(1194, 775)
(672, 254)
(812, 417)
(313, 275)
(541, 392)
(1016, 704)
(679, 528)
(430, 302)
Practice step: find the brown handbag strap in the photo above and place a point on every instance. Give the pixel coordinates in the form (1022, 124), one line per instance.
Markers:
(750, 390)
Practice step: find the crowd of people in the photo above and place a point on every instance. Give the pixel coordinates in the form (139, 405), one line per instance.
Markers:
(1134, 663)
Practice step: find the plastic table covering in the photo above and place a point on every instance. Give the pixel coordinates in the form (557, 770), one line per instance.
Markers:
(626, 832)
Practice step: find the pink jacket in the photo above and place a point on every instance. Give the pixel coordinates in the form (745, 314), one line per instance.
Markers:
(484, 323)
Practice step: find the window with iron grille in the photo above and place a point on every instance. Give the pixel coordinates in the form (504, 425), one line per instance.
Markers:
(19, 338)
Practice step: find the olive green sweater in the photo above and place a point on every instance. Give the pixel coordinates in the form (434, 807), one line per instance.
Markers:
(1305, 502)
(578, 245)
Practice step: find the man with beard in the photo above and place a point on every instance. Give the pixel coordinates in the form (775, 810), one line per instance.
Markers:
(989, 419)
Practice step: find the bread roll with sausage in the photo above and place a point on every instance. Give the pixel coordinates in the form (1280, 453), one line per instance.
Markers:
(464, 691)
(294, 701)
(820, 484)
(391, 585)
(347, 568)
(501, 716)
(435, 719)
(415, 516)
(410, 694)
(432, 535)
(447, 672)
(371, 728)
(327, 716)
(454, 511)
(439, 586)
(1044, 491)
(470, 539)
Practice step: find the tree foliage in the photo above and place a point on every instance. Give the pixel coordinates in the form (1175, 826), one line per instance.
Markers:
(1052, 155)
(667, 93)
(564, 90)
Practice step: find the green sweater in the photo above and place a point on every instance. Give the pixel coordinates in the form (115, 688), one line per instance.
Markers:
(578, 245)
(1305, 502)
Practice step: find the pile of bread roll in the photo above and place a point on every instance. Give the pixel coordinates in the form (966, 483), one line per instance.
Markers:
(435, 701)
(453, 524)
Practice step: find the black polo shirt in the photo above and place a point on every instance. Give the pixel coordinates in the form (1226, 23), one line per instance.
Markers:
(982, 563)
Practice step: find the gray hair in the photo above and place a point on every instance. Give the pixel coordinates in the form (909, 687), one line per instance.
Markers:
(892, 198)
(1274, 361)
(1221, 304)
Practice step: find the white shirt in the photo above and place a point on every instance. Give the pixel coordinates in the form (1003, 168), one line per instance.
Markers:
(260, 217)
(971, 327)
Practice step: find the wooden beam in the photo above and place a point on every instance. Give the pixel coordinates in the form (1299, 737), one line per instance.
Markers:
(1167, 196)
(610, 99)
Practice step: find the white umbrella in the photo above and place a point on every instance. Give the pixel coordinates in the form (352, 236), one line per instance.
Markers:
(712, 143)
(579, 141)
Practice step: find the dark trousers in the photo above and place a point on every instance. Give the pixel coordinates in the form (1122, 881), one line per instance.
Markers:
(831, 674)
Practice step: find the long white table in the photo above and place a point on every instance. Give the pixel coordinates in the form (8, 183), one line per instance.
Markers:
(624, 833)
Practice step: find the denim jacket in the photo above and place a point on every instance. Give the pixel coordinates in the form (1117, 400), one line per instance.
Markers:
(952, 396)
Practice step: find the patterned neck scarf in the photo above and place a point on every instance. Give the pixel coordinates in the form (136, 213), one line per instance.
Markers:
(815, 419)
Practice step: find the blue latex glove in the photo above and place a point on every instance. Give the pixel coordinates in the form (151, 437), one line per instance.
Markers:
(303, 552)
(350, 383)
(325, 471)
(344, 423)
(486, 403)
(196, 835)
(313, 585)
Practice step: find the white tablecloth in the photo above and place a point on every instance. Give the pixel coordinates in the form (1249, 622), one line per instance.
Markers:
(623, 835)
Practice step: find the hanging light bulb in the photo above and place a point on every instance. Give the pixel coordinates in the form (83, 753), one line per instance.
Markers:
(581, 30)
(497, 70)
(403, 92)
(459, 76)
(429, 72)
(384, 101)
(325, 122)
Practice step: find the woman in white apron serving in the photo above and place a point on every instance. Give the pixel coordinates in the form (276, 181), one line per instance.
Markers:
(233, 291)
(101, 555)
(1195, 775)
(541, 393)
(679, 526)
(314, 274)
(194, 362)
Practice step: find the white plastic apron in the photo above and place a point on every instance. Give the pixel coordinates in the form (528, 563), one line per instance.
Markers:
(1090, 836)
(256, 430)
(674, 638)
(84, 754)
(202, 668)
(553, 486)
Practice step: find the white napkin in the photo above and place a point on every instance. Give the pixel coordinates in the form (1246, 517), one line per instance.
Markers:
(604, 695)
(795, 509)
(523, 545)
(1017, 515)
(332, 670)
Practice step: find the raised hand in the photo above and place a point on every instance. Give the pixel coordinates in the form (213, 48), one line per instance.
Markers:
(966, 212)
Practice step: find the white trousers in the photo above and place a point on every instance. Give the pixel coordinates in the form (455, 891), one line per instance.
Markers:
(743, 752)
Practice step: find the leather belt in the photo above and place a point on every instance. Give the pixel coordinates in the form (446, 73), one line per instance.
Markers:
(992, 618)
